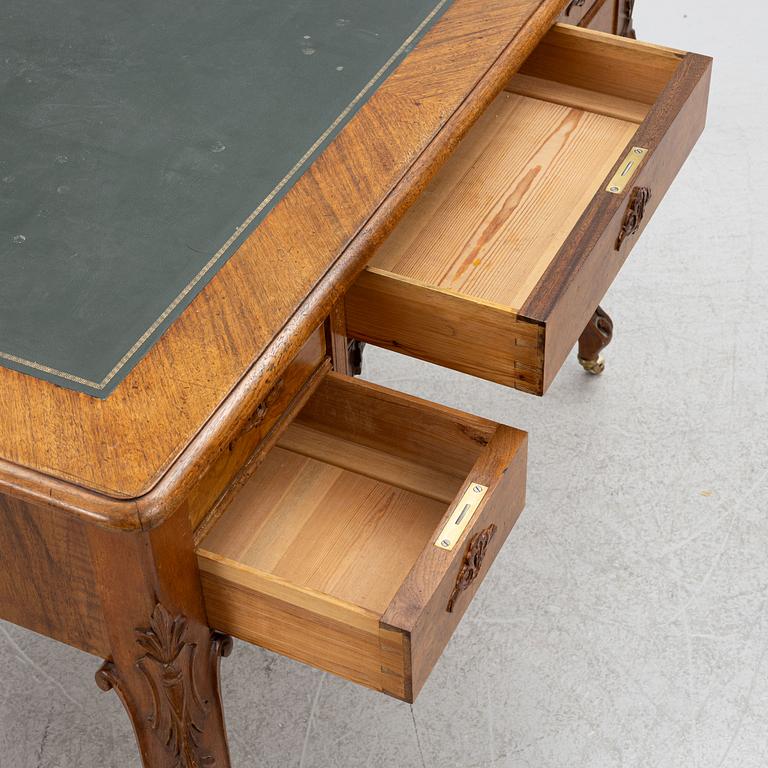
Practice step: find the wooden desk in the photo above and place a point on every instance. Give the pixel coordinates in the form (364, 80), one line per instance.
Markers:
(473, 213)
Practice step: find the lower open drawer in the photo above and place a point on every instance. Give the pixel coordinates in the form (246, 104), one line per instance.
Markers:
(358, 543)
(501, 262)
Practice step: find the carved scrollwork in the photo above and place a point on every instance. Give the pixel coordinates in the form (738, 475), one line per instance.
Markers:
(107, 677)
(634, 214)
(473, 561)
(169, 668)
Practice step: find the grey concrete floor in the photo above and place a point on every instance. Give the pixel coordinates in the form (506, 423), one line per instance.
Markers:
(625, 622)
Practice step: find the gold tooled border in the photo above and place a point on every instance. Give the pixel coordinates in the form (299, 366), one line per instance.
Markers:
(217, 256)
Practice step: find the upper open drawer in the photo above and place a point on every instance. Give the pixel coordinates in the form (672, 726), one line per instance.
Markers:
(498, 267)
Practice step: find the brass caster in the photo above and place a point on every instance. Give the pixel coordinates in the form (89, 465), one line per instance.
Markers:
(595, 367)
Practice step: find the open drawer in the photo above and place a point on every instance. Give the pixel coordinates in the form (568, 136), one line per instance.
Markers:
(499, 265)
(358, 543)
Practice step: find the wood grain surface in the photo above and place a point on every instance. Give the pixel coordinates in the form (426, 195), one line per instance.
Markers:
(47, 579)
(308, 633)
(584, 99)
(501, 207)
(278, 407)
(418, 319)
(184, 402)
(163, 659)
(419, 610)
(326, 528)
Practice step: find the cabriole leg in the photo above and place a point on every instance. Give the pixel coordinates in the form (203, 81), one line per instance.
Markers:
(172, 694)
(164, 663)
(593, 340)
(355, 355)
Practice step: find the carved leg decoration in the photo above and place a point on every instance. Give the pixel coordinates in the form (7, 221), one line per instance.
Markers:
(171, 692)
(595, 338)
(355, 355)
(165, 659)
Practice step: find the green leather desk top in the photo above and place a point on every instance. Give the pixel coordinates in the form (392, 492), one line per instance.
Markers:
(141, 142)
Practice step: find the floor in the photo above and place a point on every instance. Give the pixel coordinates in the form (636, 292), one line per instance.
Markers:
(625, 622)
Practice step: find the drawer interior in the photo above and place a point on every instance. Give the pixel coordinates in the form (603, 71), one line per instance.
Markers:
(498, 225)
(311, 554)
(329, 514)
(498, 212)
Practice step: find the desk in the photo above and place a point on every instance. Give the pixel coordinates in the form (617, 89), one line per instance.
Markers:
(233, 484)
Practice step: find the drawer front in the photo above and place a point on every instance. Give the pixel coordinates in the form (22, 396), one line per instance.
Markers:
(437, 592)
(497, 268)
(360, 541)
(284, 399)
(576, 280)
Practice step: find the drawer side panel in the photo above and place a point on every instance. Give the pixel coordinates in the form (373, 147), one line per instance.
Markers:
(293, 631)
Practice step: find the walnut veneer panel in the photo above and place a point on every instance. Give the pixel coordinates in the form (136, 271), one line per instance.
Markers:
(270, 416)
(47, 579)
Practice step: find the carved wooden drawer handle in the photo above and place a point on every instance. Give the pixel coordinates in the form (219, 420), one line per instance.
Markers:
(573, 4)
(473, 561)
(634, 214)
